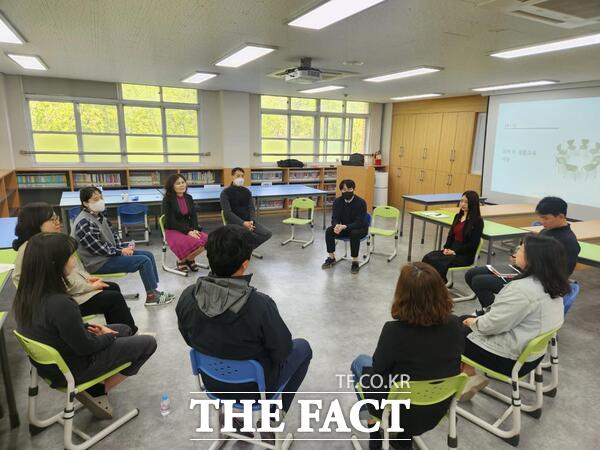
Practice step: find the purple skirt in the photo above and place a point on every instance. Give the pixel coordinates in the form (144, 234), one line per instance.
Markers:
(182, 244)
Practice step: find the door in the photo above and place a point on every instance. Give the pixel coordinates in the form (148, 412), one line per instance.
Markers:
(399, 184)
(403, 132)
(432, 141)
(447, 136)
(463, 143)
(417, 148)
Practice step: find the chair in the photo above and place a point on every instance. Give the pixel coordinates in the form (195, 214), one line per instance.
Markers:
(453, 270)
(537, 346)
(551, 388)
(44, 354)
(161, 222)
(255, 254)
(346, 241)
(301, 204)
(73, 213)
(385, 213)
(424, 393)
(133, 214)
(237, 372)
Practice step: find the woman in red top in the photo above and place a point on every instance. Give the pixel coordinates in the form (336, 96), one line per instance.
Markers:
(182, 232)
(463, 238)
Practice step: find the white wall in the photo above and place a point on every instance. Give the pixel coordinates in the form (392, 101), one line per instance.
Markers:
(6, 150)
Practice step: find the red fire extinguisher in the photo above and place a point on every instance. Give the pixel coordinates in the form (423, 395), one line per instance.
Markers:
(377, 158)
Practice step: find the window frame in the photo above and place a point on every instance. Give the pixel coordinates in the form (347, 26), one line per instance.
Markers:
(122, 132)
(316, 139)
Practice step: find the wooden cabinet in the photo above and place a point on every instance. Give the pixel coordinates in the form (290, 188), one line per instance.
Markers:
(363, 176)
(449, 182)
(447, 138)
(426, 141)
(456, 142)
(473, 183)
(399, 184)
(403, 132)
(422, 181)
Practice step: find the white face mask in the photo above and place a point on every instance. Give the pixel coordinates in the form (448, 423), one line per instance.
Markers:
(98, 206)
(238, 181)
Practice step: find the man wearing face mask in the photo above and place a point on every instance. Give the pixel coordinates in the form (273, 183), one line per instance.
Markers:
(101, 250)
(349, 219)
(238, 208)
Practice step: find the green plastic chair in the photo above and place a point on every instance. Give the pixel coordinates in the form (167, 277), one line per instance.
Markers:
(536, 347)
(384, 213)
(453, 270)
(44, 354)
(423, 393)
(255, 254)
(301, 204)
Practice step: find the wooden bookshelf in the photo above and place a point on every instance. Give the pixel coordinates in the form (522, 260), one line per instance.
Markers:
(9, 194)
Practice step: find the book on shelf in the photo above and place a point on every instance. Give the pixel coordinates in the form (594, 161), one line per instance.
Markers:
(200, 177)
(506, 271)
(273, 176)
(271, 204)
(42, 180)
(144, 178)
(102, 179)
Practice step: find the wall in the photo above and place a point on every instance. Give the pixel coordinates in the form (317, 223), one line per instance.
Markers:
(6, 150)
(230, 121)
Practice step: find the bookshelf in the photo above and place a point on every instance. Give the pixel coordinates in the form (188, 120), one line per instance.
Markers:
(108, 179)
(9, 194)
(202, 177)
(258, 176)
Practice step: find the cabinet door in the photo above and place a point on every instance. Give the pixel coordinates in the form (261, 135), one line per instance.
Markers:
(456, 182)
(422, 181)
(473, 183)
(403, 131)
(399, 184)
(463, 143)
(442, 182)
(417, 149)
(432, 141)
(447, 136)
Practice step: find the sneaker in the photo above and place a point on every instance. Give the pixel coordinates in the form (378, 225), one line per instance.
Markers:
(159, 298)
(329, 262)
(98, 406)
(146, 333)
(355, 267)
(475, 384)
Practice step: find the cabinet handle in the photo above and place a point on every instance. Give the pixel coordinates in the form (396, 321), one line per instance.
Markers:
(425, 153)
(451, 179)
(422, 175)
(401, 154)
(398, 171)
(448, 180)
(453, 155)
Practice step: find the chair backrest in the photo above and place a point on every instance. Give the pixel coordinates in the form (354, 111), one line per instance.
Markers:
(227, 370)
(537, 346)
(387, 212)
(429, 392)
(42, 353)
(132, 209)
(478, 251)
(569, 299)
(223, 218)
(303, 204)
(161, 223)
(369, 219)
(74, 212)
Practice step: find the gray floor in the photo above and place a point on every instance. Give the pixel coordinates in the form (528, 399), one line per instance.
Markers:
(341, 315)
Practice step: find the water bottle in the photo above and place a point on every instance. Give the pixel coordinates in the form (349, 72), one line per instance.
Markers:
(165, 405)
(132, 244)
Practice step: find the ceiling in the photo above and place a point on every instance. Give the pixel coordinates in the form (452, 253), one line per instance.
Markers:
(163, 41)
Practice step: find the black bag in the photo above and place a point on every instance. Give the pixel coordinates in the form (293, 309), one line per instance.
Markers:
(289, 163)
(356, 159)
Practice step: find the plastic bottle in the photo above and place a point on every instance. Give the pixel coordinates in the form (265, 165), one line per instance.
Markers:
(165, 405)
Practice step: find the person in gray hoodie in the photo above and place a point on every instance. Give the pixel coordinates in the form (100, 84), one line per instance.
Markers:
(529, 306)
(221, 315)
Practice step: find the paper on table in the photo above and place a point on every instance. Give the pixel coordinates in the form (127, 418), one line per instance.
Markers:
(434, 214)
(6, 267)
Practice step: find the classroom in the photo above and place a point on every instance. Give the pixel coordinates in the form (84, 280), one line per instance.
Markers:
(307, 224)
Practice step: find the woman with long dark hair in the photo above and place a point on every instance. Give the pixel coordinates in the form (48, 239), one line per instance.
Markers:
(46, 313)
(527, 307)
(182, 232)
(93, 295)
(424, 341)
(463, 238)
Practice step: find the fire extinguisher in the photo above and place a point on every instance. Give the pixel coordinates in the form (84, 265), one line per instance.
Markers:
(378, 158)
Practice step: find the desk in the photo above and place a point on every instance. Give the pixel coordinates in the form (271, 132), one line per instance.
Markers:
(492, 231)
(154, 196)
(589, 254)
(7, 231)
(587, 230)
(7, 257)
(513, 214)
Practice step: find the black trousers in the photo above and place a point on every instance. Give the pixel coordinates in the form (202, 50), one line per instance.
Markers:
(112, 305)
(485, 284)
(355, 236)
(260, 235)
(442, 262)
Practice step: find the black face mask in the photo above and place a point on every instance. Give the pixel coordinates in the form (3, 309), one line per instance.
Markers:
(347, 195)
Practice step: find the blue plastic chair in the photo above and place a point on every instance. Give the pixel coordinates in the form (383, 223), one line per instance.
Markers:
(237, 372)
(346, 241)
(73, 213)
(133, 215)
(569, 299)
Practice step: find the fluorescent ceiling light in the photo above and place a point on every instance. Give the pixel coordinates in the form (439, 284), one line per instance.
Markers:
(248, 53)
(416, 97)
(30, 62)
(404, 74)
(322, 89)
(199, 77)
(331, 12)
(555, 46)
(515, 85)
(8, 34)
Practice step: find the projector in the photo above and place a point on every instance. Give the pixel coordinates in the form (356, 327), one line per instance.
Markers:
(303, 75)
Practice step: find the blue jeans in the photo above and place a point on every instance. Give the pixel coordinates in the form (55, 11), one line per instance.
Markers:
(357, 366)
(294, 369)
(140, 260)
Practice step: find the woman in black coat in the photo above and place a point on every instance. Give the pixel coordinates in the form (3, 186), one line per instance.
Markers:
(463, 238)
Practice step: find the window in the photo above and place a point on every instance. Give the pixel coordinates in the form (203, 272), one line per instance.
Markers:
(310, 129)
(159, 124)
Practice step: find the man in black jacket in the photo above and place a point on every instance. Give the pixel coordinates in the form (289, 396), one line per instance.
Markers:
(238, 209)
(348, 219)
(221, 315)
(552, 212)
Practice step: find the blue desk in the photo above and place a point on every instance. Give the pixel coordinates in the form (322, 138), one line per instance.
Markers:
(154, 196)
(7, 231)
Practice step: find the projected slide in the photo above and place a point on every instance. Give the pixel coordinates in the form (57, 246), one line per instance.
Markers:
(548, 147)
